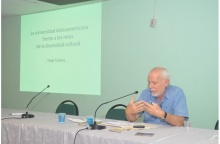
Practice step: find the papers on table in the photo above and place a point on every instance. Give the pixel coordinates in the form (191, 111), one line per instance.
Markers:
(81, 121)
(121, 126)
(13, 116)
(16, 114)
(129, 125)
(77, 120)
(117, 124)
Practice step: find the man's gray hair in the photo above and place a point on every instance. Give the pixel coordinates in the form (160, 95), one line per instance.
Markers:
(164, 72)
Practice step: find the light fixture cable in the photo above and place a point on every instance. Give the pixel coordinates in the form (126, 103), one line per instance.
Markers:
(153, 20)
(154, 8)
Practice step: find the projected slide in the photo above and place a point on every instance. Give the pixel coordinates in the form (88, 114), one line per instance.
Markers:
(62, 49)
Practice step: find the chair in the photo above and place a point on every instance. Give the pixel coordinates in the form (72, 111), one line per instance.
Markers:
(117, 113)
(68, 107)
(216, 125)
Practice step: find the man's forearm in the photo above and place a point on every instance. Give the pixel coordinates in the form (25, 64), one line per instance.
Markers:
(132, 117)
(174, 120)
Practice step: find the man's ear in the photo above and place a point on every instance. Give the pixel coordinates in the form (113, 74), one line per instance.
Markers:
(167, 82)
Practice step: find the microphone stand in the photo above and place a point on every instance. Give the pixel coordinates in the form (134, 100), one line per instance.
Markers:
(26, 115)
(100, 127)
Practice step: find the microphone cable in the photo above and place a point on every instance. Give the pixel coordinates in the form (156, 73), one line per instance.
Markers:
(77, 133)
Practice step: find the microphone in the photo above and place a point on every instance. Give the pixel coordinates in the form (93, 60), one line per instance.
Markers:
(26, 115)
(99, 127)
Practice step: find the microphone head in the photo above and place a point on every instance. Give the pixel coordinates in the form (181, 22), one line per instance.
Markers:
(48, 86)
(135, 92)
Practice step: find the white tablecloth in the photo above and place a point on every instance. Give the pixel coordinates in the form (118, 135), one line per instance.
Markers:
(44, 128)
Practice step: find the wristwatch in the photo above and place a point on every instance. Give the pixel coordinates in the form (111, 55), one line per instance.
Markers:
(165, 115)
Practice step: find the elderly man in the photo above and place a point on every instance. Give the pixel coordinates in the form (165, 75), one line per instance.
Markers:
(161, 103)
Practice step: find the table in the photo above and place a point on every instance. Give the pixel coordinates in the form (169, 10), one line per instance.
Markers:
(44, 128)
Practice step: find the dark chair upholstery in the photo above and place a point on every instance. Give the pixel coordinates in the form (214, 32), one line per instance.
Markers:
(68, 107)
(216, 125)
(117, 112)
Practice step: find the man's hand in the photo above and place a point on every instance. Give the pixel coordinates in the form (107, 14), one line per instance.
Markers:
(153, 109)
(133, 109)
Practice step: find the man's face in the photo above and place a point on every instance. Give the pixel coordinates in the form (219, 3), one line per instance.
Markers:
(157, 84)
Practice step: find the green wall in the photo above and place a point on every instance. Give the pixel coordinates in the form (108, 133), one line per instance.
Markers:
(185, 41)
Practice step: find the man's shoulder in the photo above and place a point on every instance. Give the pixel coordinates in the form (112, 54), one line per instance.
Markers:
(174, 88)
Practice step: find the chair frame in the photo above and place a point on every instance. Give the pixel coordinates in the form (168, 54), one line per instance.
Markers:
(65, 101)
(216, 125)
(117, 105)
(113, 107)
